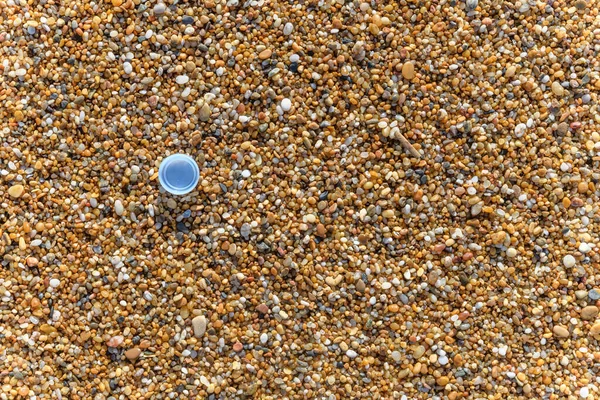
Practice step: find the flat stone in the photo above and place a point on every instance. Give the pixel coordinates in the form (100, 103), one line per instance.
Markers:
(418, 352)
(569, 261)
(589, 312)
(560, 331)
(16, 191)
(199, 324)
(263, 55)
(557, 89)
(262, 308)
(115, 341)
(133, 354)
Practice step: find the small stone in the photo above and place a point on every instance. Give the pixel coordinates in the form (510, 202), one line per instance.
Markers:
(288, 28)
(286, 105)
(569, 261)
(471, 5)
(115, 341)
(262, 308)
(408, 70)
(119, 209)
(594, 294)
(396, 355)
(159, 9)
(127, 67)
(560, 331)
(117, 3)
(595, 330)
(511, 252)
(182, 79)
(321, 231)
(237, 347)
(584, 248)
(562, 128)
(388, 214)
(187, 20)
(199, 325)
(263, 55)
(557, 89)
(589, 312)
(133, 354)
(584, 392)
(47, 329)
(205, 112)
(23, 391)
(16, 191)
(351, 353)
(360, 285)
(54, 282)
(264, 338)
(442, 381)
(418, 352)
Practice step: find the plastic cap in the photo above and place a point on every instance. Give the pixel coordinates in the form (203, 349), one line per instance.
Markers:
(178, 174)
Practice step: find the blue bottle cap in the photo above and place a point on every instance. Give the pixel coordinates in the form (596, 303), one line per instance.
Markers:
(178, 174)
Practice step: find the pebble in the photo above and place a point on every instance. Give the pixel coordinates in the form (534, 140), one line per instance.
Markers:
(286, 105)
(595, 330)
(288, 28)
(557, 89)
(511, 252)
(589, 312)
(584, 392)
(263, 55)
(560, 331)
(159, 9)
(119, 209)
(569, 261)
(115, 341)
(199, 324)
(594, 294)
(133, 353)
(54, 283)
(182, 79)
(408, 70)
(262, 308)
(16, 191)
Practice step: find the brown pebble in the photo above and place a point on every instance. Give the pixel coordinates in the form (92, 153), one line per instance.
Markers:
(595, 330)
(408, 70)
(133, 353)
(321, 231)
(237, 347)
(262, 308)
(16, 191)
(560, 331)
(263, 55)
(115, 341)
(589, 312)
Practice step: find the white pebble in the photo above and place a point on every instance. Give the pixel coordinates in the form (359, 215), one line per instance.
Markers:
(246, 173)
(585, 248)
(127, 67)
(54, 282)
(351, 353)
(264, 338)
(443, 360)
(569, 261)
(584, 392)
(396, 355)
(511, 252)
(294, 58)
(288, 29)
(119, 209)
(502, 350)
(520, 130)
(286, 105)
(182, 79)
